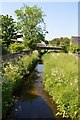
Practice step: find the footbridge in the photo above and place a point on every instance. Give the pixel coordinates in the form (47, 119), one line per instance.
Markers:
(48, 48)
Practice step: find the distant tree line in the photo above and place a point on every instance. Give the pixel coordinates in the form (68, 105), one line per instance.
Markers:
(64, 42)
(60, 41)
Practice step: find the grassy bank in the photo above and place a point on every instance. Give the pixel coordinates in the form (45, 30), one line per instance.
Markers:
(13, 72)
(61, 81)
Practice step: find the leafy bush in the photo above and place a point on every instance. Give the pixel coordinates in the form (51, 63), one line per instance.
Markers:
(61, 81)
(16, 47)
(75, 48)
(65, 48)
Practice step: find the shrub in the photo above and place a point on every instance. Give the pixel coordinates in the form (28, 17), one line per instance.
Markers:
(65, 48)
(74, 48)
(16, 47)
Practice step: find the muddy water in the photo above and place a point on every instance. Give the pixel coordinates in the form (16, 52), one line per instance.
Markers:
(33, 101)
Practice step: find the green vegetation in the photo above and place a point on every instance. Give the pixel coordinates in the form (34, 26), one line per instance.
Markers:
(16, 47)
(75, 48)
(60, 70)
(13, 72)
(30, 22)
(60, 41)
(61, 81)
(65, 44)
(8, 29)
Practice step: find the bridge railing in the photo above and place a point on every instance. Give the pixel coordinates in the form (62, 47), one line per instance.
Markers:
(49, 48)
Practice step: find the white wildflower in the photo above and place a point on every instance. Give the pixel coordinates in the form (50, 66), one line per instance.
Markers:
(76, 80)
(70, 83)
(16, 109)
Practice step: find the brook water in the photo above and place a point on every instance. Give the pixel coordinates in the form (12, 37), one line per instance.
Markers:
(33, 101)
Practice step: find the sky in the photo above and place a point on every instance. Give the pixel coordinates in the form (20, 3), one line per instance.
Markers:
(61, 17)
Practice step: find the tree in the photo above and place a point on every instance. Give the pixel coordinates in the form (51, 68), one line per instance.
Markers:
(64, 41)
(30, 22)
(8, 28)
(46, 42)
(55, 42)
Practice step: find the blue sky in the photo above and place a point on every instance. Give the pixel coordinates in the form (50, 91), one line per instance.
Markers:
(61, 17)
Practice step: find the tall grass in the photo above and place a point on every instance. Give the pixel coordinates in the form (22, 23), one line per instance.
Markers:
(61, 81)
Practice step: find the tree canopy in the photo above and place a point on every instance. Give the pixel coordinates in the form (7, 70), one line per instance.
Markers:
(31, 24)
(62, 41)
(8, 29)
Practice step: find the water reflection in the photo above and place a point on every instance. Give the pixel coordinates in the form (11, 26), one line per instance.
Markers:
(32, 103)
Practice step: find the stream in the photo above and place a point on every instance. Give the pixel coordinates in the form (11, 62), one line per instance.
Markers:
(33, 101)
